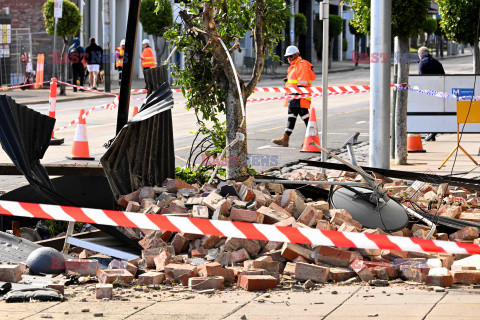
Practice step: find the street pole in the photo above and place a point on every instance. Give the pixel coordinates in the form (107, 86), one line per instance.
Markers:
(55, 49)
(107, 60)
(324, 15)
(130, 40)
(381, 16)
(396, 60)
(292, 22)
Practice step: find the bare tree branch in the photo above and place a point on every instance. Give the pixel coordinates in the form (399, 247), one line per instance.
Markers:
(259, 48)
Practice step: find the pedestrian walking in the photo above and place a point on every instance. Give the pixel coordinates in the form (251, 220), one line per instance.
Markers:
(147, 56)
(429, 65)
(93, 55)
(76, 55)
(299, 74)
(119, 52)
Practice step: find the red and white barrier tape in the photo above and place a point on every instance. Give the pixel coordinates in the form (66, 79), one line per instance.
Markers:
(108, 106)
(87, 89)
(304, 96)
(6, 88)
(253, 231)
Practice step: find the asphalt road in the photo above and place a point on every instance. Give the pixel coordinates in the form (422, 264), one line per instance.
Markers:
(266, 120)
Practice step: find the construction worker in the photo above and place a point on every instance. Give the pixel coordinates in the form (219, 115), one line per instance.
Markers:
(119, 52)
(299, 74)
(147, 56)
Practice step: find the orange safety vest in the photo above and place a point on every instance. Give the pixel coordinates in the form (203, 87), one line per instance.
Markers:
(120, 59)
(148, 60)
(300, 74)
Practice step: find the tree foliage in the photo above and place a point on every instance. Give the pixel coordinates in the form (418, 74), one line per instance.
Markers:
(300, 24)
(156, 16)
(430, 25)
(460, 20)
(208, 80)
(335, 25)
(408, 17)
(68, 24)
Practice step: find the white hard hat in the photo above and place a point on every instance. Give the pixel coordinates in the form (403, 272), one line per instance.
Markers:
(146, 41)
(291, 50)
(122, 43)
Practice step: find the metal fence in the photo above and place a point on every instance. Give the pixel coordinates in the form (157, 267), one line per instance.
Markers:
(15, 62)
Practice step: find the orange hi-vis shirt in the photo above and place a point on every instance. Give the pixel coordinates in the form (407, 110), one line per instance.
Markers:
(148, 59)
(120, 52)
(300, 74)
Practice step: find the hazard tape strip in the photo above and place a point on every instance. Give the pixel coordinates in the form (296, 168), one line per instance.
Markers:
(440, 94)
(253, 231)
(6, 88)
(108, 106)
(304, 96)
(86, 89)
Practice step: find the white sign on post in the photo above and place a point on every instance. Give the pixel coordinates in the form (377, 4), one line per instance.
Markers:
(57, 9)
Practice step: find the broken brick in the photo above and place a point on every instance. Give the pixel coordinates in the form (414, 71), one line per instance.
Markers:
(173, 185)
(333, 256)
(439, 280)
(467, 233)
(104, 291)
(310, 216)
(204, 283)
(200, 212)
(83, 267)
(257, 282)
(114, 275)
(151, 277)
(306, 271)
(246, 215)
(292, 250)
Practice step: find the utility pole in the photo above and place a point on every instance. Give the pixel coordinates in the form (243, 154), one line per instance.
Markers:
(130, 40)
(292, 22)
(324, 15)
(107, 59)
(381, 16)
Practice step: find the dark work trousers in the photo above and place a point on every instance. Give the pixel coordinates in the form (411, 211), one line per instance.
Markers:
(294, 110)
(120, 69)
(77, 74)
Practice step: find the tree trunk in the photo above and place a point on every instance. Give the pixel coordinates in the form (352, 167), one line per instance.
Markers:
(476, 58)
(237, 154)
(441, 46)
(401, 110)
(357, 50)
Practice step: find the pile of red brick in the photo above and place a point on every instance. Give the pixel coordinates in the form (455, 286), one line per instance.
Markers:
(204, 262)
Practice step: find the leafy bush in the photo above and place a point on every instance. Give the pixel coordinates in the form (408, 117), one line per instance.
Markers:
(156, 16)
(300, 24)
(68, 24)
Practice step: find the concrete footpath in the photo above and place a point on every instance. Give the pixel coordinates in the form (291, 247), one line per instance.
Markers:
(401, 301)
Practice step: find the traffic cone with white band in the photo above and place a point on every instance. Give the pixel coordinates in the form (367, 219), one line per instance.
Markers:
(52, 105)
(80, 143)
(311, 135)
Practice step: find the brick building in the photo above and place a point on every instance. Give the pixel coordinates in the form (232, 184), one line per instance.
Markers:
(28, 14)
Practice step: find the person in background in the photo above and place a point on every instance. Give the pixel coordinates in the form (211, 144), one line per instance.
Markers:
(147, 56)
(119, 52)
(94, 58)
(429, 65)
(76, 54)
(299, 74)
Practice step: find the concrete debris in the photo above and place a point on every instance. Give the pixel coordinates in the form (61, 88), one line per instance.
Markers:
(208, 263)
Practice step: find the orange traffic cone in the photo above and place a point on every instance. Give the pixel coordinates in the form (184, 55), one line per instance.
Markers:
(414, 143)
(134, 112)
(80, 143)
(311, 134)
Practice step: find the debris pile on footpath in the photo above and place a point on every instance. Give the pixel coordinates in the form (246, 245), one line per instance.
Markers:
(205, 263)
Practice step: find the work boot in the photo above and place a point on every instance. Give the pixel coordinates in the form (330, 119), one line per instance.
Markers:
(282, 141)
